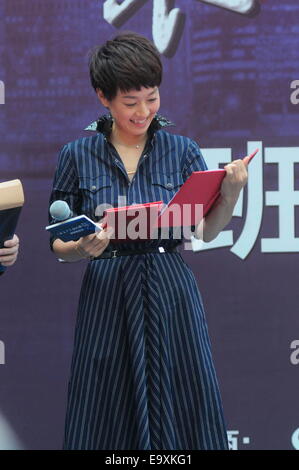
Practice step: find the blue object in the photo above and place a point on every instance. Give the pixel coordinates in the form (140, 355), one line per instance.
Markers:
(73, 229)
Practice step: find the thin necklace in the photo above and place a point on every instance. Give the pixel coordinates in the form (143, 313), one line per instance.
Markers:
(137, 146)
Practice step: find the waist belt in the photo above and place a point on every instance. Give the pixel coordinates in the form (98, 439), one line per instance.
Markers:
(117, 253)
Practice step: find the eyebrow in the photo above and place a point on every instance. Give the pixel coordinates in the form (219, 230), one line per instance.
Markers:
(136, 97)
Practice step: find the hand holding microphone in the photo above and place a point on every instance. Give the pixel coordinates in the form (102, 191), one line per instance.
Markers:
(87, 238)
(93, 245)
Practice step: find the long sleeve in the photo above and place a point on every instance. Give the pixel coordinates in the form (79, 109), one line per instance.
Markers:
(193, 161)
(65, 185)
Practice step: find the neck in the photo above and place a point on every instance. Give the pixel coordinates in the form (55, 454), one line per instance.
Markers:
(119, 138)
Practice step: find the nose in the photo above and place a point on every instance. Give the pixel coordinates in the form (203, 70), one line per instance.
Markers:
(142, 110)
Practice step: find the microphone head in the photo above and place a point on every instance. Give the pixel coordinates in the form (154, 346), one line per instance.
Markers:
(60, 210)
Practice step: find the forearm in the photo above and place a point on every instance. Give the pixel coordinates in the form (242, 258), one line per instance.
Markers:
(222, 211)
(216, 220)
(68, 251)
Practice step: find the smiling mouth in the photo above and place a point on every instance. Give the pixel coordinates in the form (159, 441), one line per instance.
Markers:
(139, 122)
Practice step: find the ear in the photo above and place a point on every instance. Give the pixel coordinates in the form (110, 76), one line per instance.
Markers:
(102, 98)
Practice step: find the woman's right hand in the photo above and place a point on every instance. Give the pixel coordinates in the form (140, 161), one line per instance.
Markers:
(93, 245)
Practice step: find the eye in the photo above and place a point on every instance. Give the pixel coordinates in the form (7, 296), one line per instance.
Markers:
(152, 100)
(130, 105)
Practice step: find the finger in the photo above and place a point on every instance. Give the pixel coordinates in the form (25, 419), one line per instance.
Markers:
(229, 169)
(90, 237)
(93, 246)
(98, 245)
(231, 164)
(106, 233)
(236, 168)
(103, 244)
(241, 169)
(6, 264)
(85, 242)
(7, 259)
(240, 164)
(13, 242)
(9, 251)
(103, 247)
(95, 252)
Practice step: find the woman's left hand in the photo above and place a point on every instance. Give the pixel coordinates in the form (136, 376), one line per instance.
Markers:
(9, 253)
(234, 181)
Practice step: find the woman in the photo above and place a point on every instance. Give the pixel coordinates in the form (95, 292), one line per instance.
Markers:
(142, 375)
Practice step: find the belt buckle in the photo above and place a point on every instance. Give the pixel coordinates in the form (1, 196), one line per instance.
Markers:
(114, 253)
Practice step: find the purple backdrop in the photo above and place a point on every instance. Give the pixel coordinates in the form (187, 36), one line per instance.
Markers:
(227, 82)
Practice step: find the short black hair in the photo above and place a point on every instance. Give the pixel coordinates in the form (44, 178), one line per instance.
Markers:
(127, 62)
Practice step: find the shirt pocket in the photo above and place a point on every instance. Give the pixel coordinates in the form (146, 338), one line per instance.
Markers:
(166, 185)
(96, 193)
(95, 184)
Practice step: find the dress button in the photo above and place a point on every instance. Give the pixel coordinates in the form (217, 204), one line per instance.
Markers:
(93, 188)
(145, 156)
(169, 186)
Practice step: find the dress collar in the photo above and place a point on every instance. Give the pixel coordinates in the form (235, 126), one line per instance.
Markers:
(104, 124)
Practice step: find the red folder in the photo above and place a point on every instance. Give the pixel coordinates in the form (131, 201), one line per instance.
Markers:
(133, 223)
(188, 206)
(195, 198)
(192, 202)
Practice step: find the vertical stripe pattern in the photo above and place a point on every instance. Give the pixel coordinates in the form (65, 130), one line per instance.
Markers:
(142, 375)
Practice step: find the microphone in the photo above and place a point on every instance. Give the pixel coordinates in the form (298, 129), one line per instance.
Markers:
(66, 226)
(60, 211)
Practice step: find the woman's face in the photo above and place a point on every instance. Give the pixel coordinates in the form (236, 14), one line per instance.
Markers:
(133, 111)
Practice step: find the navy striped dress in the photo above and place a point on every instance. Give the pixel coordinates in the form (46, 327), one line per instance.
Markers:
(142, 375)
